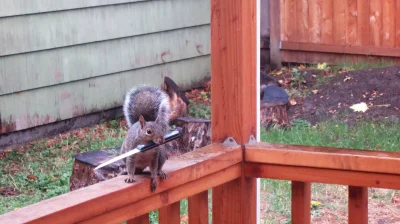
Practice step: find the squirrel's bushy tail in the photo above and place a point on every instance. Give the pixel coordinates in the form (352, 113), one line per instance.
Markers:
(149, 101)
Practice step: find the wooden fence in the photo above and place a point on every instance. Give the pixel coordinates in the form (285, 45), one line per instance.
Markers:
(325, 30)
(231, 164)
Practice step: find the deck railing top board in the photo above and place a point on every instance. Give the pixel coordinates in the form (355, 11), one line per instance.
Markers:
(113, 194)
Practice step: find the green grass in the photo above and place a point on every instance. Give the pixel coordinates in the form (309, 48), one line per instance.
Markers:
(42, 169)
(364, 135)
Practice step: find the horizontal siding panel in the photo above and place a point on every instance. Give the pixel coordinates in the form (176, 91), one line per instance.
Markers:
(44, 68)
(65, 28)
(45, 105)
(23, 7)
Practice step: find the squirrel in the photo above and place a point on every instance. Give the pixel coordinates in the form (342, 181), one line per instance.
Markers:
(143, 132)
(147, 111)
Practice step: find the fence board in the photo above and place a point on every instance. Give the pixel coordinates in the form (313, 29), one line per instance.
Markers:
(376, 22)
(327, 22)
(143, 219)
(302, 21)
(284, 19)
(314, 18)
(339, 18)
(301, 202)
(198, 208)
(351, 17)
(398, 23)
(291, 13)
(363, 22)
(388, 20)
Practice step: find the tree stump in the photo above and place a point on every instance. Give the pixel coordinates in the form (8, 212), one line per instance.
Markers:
(196, 133)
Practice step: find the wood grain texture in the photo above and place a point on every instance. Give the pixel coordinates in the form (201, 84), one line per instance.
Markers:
(363, 28)
(389, 23)
(235, 202)
(198, 208)
(322, 175)
(339, 19)
(324, 157)
(168, 197)
(314, 20)
(276, 19)
(114, 194)
(358, 205)
(143, 219)
(301, 202)
(351, 21)
(327, 22)
(170, 214)
(233, 68)
(302, 21)
(291, 18)
(397, 23)
(376, 22)
(283, 5)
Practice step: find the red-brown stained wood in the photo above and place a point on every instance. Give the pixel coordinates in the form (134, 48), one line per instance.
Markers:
(324, 157)
(351, 19)
(170, 214)
(283, 16)
(143, 219)
(339, 21)
(327, 22)
(302, 21)
(198, 208)
(397, 23)
(234, 202)
(376, 22)
(291, 15)
(301, 202)
(115, 193)
(342, 49)
(363, 33)
(388, 23)
(314, 20)
(233, 65)
(168, 197)
(358, 205)
(322, 175)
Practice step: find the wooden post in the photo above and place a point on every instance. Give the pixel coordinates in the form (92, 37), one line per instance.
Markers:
(275, 34)
(234, 95)
(170, 214)
(358, 205)
(143, 219)
(301, 202)
(198, 208)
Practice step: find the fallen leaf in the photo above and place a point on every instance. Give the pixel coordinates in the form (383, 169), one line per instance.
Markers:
(316, 203)
(347, 78)
(322, 66)
(360, 107)
(32, 177)
(293, 102)
(315, 91)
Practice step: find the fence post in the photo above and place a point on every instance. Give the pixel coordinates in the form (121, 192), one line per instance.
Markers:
(233, 108)
(275, 34)
(301, 202)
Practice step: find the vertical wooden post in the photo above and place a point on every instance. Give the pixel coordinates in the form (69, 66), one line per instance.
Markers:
(170, 214)
(198, 208)
(301, 202)
(358, 205)
(275, 34)
(143, 219)
(233, 109)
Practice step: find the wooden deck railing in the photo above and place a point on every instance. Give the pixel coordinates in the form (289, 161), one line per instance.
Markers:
(192, 174)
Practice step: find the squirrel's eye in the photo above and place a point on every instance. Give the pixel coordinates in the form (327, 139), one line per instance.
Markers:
(148, 131)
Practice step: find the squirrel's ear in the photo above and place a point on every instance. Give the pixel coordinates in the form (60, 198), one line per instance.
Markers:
(142, 121)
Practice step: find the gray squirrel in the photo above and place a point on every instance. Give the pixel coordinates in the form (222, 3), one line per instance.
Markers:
(147, 111)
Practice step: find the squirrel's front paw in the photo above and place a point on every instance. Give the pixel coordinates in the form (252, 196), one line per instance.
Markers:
(163, 175)
(130, 180)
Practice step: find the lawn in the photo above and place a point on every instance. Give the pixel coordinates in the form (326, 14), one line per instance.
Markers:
(41, 169)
